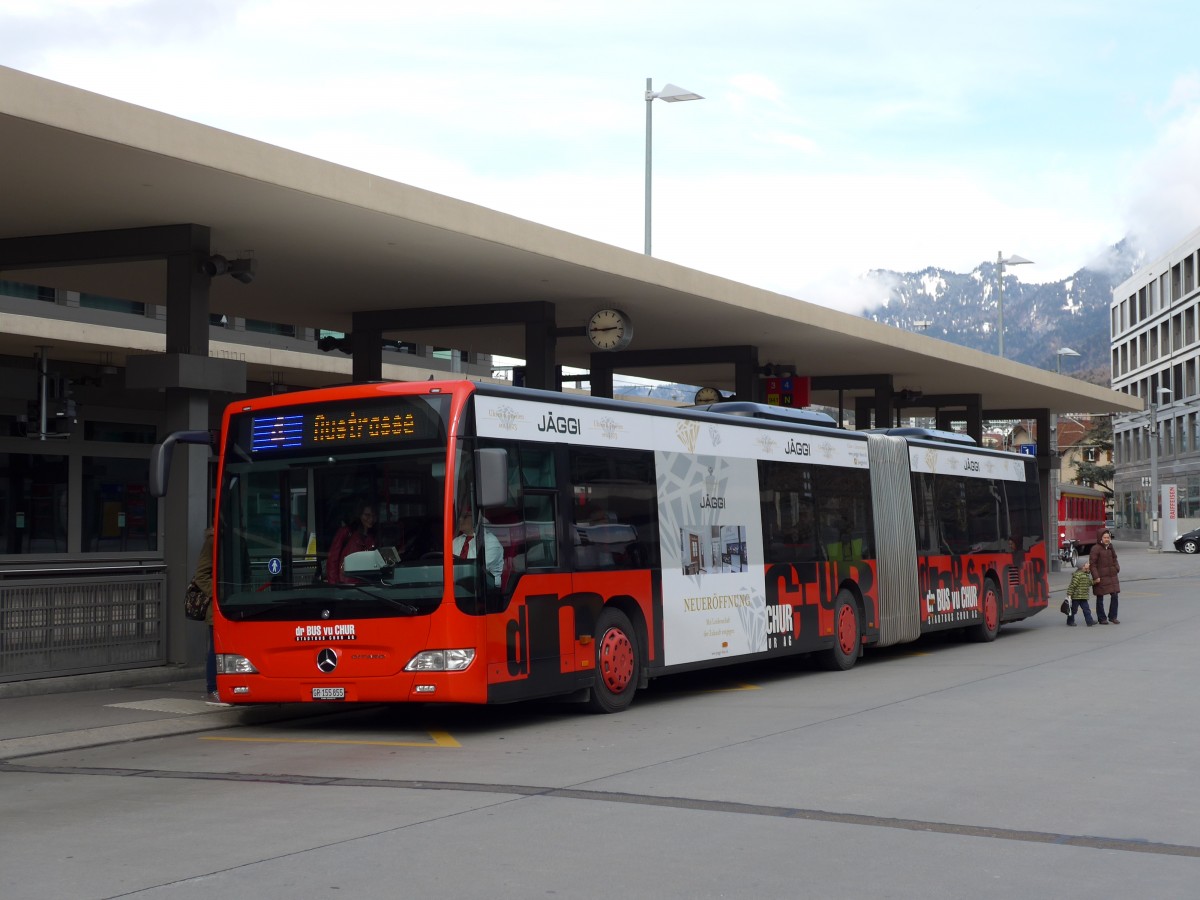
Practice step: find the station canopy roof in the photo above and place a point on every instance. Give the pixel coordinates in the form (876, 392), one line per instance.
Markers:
(330, 240)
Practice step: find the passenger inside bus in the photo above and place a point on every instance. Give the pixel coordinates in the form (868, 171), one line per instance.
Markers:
(844, 549)
(357, 534)
(846, 546)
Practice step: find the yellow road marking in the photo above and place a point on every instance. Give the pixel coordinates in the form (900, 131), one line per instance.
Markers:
(441, 740)
(739, 686)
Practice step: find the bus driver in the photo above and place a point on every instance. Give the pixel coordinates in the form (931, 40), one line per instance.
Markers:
(466, 542)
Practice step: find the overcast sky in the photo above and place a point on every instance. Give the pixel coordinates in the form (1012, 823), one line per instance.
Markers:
(834, 137)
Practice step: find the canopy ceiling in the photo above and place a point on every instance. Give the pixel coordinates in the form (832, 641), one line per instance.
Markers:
(330, 240)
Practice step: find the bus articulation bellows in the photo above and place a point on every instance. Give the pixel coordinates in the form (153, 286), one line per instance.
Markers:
(609, 542)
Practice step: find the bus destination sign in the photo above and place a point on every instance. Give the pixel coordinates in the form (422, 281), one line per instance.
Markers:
(330, 427)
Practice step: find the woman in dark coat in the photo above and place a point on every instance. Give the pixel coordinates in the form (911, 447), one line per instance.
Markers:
(1105, 567)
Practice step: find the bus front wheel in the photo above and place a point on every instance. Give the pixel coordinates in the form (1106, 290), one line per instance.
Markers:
(847, 635)
(618, 663)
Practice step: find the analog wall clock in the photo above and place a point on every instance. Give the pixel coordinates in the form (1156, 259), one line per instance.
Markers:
(707, 395)
(610, 329)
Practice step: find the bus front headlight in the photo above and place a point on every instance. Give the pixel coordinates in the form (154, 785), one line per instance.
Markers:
(441, 661)
(234, 664)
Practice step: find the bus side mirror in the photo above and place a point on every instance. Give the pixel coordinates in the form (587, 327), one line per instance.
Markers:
(491, 477)
(160, 457)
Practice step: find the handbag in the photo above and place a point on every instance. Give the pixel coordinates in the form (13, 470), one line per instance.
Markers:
(1065, 609)
(196, 603)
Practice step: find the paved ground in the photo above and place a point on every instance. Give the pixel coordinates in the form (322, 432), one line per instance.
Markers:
(1055, 761)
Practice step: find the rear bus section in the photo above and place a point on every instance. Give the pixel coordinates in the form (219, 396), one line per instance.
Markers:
(980, 541)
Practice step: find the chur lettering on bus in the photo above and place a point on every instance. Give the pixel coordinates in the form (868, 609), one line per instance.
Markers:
(948, 605)
(809, 591)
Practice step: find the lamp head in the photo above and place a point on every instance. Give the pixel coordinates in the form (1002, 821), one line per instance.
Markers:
(213, 266)
(242, 270)
(673, 93)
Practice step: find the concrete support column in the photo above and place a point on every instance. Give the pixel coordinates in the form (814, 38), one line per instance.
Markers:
(863, 408)
(884, 411)
(541, 345)
(366, 348)
(1047, 459)
(745, 375)
(187, 501)
(601, 375)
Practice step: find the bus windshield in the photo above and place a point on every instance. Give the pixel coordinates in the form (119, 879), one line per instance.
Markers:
(334, 510)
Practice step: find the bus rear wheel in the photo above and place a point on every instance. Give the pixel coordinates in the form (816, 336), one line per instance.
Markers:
(847, 635)
(986, 631)
(618, 663)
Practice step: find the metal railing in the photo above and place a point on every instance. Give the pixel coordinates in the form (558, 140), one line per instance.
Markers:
(66, 621)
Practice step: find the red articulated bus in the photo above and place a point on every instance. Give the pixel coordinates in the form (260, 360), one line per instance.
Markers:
(1081, 517)
(616, 542)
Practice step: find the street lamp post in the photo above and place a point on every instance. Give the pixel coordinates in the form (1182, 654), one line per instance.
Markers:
(1056, 467)
(1155, 539)
(1001, 262)
(671, 94)
(1062, 351)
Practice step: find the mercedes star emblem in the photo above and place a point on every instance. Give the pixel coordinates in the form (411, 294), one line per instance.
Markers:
(327, 660)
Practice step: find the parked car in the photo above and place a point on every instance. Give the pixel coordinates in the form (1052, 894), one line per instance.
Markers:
(1189, 541)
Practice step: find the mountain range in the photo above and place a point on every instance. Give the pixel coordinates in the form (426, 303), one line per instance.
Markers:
(1039, 319)
(961, 308)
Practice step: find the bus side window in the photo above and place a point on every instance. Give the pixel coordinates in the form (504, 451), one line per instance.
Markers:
(540, 549)
(844, 510)
(527, 527)
(537, 466)
(1024, 508)
(620, 485)
(788, 519)
(923, 517)
(952, 514)
(986, 516)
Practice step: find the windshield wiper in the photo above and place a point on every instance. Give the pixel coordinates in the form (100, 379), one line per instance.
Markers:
(271, 606)
(399, 604)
